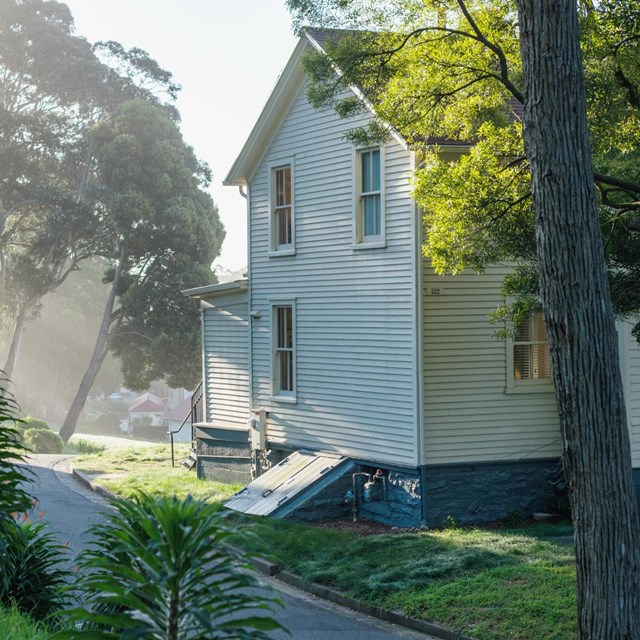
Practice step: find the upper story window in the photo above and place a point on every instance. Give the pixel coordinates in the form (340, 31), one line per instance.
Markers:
(283, 347)
(530, 359)
(282, 210)
(369, 205)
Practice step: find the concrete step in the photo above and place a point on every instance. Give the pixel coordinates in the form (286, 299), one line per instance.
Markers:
(190, 461)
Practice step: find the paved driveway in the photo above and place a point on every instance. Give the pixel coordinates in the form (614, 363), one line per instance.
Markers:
(70, 509)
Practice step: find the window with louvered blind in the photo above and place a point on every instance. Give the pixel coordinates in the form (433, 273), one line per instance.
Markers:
(528, 354)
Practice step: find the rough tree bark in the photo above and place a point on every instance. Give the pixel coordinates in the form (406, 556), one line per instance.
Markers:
(580, 323)
(100, 351)
(16, 339)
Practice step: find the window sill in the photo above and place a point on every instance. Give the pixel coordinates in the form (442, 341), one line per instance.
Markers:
(529, 388)
(282, 254)
(284, 399)
(378, 244)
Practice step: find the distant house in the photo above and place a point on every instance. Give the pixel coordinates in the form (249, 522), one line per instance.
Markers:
(174, 419)
(344, 341)
(146, 416)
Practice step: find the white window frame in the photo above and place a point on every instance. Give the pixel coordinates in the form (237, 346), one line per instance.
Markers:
(277, 393)
(360, 241)
(529, 385)
(276, 250)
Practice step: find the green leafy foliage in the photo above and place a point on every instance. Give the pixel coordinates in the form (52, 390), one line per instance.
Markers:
(447, 76)
(43, 441)
(158, 569)
(32, 577)
(13, 495)
(15, 625)
(30, 574)
(34, 423)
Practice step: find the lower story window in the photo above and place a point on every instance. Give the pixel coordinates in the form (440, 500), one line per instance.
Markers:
(284, 350)
(531, 357)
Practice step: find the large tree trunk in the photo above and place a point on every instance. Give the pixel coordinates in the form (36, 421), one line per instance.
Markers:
(577, 310)
(100, 351)
(16, 339)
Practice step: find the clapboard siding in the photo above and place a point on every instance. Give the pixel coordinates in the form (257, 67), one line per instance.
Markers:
(468, 415)
(631, 373)
(354, 308)
(226, 364)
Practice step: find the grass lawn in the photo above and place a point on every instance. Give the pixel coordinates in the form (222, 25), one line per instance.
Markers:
(146, 467)
(16, 626)
(488, 584)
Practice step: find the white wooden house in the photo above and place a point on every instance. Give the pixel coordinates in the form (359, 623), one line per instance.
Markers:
(351, 344)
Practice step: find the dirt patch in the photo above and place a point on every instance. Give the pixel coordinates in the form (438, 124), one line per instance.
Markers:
(361, 527)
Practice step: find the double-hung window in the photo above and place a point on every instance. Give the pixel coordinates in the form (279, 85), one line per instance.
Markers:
(282, 210)
(530, 357)
(369, 227)
(284, 345)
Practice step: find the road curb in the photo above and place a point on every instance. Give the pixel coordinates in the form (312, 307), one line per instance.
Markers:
(90, 484)
(320, 591)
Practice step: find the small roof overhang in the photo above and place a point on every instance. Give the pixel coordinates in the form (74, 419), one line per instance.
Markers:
(213, 290)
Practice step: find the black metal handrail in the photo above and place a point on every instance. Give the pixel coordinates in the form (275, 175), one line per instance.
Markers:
(195, 414)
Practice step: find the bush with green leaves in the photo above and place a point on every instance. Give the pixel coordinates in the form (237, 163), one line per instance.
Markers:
(32, 577)
(43, 441)
(35, 423)
(86, 447)
(159, 569)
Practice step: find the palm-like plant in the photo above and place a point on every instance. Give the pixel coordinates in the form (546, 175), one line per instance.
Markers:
(13, 495)
(30, 560)
(158, 570)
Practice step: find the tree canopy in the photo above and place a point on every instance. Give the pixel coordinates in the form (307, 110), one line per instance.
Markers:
(447, 75)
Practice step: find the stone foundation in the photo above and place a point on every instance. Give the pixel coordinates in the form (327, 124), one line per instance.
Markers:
(487, 492)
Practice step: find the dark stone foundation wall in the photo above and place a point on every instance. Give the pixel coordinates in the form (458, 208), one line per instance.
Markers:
(485, 492)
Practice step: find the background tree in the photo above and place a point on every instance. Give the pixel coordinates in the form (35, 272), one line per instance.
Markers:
(53, 87)
(164, 232)
(451, 72)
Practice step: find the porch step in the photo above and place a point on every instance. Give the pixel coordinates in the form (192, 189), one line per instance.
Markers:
(225, 468)
(190, 461)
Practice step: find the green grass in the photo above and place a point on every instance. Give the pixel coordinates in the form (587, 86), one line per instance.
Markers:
(488, 584)
(147, 467)
(16, 626)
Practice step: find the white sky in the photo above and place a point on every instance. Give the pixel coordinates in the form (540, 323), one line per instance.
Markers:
(226, 54)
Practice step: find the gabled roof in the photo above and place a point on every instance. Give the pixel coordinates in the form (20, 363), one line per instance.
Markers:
(284, 93)
(180, 411)
(147, 403)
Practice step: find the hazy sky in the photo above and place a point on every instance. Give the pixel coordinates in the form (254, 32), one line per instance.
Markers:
(226, 54)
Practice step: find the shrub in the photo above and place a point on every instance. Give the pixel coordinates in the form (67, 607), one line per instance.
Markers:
(43, 441)
(34, 423)
(32, 579)
(86, 447)
(158, 569)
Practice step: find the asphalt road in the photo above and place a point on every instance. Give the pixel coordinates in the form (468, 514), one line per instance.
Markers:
(71, 509)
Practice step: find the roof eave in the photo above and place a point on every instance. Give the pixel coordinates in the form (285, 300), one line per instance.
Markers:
(272, 115)
(211, 290)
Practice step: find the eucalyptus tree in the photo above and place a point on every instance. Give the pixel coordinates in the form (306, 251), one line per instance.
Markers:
(54, 86)
(164, 233)
(543, 195)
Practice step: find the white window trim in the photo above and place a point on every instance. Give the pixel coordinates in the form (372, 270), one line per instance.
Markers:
(283, 396)
(540, 385)
(359, 241)
(290, 249)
